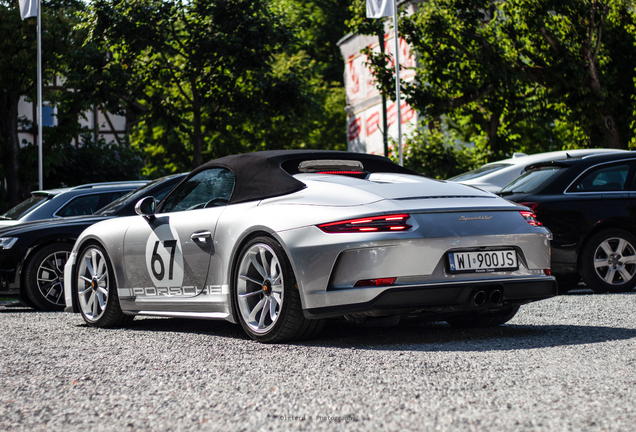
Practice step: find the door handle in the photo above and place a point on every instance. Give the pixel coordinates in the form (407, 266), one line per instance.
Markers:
(201, 236)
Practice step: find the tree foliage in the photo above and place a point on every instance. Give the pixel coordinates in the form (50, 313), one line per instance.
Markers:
(18, 61)
(195, 69)
(427, 152)
(524, 74)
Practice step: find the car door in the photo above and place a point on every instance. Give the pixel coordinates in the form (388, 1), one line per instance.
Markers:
(607, 183)
(167, 257)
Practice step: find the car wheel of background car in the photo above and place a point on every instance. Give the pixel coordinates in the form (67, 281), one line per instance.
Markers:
(44, 276)
(266, 297)
(608, 261)
(475, 320)
(96, 289)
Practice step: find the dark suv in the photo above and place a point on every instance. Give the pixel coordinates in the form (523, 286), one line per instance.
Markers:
(33, 254)
(589, 204)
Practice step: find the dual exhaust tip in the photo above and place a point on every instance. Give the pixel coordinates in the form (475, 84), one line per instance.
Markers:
(484, 297)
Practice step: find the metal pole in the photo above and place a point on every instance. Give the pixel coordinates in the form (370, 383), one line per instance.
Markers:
(39, 119)
(385, 122)
(397, 79)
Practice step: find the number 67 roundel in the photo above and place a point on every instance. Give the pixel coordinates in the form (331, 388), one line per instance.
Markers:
(164, 257)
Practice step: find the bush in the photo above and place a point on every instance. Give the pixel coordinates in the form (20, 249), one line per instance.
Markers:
(434, 153)
(93, 162)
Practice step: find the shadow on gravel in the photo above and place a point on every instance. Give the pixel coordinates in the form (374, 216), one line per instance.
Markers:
(216, 328)
(14, 306)
(441, 337)
(409, 335)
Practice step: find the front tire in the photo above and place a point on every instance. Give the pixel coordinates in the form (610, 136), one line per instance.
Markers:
(474, 320)
(265, 294)
(96, 289)
(44, 277)
(608, 261)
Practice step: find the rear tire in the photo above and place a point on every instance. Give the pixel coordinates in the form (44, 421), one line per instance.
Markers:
(608, 261)
(475, 320)
(96, 289)
(265, 294)
(44, 277)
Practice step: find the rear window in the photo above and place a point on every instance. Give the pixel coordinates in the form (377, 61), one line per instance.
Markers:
(532, 181)
(24, 207)
(603, 178)
(479, 172)
(80, 206)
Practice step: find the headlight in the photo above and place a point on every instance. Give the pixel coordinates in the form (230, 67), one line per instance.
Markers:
(7, 242)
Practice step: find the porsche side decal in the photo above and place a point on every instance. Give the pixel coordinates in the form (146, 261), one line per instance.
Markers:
(186, 291)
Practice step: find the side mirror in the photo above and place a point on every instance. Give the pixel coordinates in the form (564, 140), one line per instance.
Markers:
(146, 207)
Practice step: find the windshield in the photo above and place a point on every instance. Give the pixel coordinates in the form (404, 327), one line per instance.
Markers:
(531, 181)
(479, 172)
(24, 207)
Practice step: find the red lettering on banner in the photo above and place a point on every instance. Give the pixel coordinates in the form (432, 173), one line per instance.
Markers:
(371, 81)
(391, 114)
(406, 59)
(407, 112)
(354, 128)
(373, 123)
(388, 51)
(355, 77)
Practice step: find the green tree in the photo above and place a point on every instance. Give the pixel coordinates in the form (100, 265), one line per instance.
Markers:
(360, 24)
(523, 74)
(64, 54)
(18, 62)
(430, 151)
(196, 70)
(582, 53)
(318, 26)
(313, 58)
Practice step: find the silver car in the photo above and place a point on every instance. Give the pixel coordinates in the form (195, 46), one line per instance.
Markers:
(495, 175)
(278, 241)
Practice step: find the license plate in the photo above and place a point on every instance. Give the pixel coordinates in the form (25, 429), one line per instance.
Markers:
(483, 261)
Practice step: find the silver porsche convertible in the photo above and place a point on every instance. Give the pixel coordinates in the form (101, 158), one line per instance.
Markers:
(279, 241)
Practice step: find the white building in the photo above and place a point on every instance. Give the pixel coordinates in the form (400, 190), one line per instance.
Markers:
(364, 102)
(101, 123)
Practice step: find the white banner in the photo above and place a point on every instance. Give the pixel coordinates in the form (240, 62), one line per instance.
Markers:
(28, 8)
(377, 8)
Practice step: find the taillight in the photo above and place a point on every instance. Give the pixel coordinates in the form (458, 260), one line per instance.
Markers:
(530, 217)
(375, 282)
(534, 206)
(341, 172)
(369, 224)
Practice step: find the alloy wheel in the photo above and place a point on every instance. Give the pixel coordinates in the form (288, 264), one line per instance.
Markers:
(615, 261)
(93, 283)
(50, 277)
(260, 288)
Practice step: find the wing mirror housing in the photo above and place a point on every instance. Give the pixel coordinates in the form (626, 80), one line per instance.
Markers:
(146, 207)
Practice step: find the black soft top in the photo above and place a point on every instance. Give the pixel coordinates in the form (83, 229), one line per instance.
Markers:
(268, 174)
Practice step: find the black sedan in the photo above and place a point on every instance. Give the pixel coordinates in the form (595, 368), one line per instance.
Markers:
(33, 254)
(589, 204)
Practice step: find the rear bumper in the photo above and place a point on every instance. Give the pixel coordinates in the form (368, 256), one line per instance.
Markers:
(446, 299)
(7, 283)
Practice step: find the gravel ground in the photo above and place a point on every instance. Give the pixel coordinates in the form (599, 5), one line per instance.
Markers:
(568, 363)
